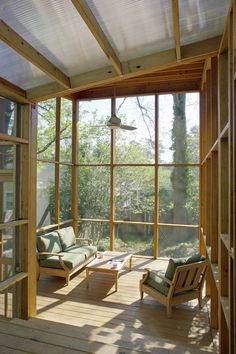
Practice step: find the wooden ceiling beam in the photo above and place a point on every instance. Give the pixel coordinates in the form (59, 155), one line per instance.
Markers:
(132, 68)
(12, 92)
(16, 42)
(176, 28)
(94, 27)
(141, 89)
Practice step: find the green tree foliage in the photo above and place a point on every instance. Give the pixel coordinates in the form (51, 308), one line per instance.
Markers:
(134, 186)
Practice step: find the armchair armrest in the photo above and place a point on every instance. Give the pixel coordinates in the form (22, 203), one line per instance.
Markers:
(80, 239)
(161, 277)
(156, 272)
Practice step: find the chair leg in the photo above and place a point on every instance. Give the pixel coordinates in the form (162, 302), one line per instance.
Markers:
(169, 310)
(141, 291)
(200, 300)
(67, 279)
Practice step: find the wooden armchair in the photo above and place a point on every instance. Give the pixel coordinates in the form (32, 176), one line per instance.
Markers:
(186, 284)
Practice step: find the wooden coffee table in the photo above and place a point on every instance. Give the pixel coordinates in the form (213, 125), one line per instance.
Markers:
(109, 262)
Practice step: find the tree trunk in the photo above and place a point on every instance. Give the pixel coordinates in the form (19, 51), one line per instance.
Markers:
(179, 178)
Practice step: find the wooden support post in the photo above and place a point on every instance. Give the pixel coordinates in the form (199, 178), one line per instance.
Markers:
(57, 159)
(112, 182)
(156, 229)
(74, 190)
(28, 211)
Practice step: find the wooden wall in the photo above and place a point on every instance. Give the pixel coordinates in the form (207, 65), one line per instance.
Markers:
(217, 232)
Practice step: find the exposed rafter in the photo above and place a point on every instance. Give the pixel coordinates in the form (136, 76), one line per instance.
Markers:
(16, 42)
(175, 14)
(90, 20)
(206, 67)
(135, 67)
(13, 92)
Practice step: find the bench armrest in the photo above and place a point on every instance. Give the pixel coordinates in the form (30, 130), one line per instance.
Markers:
(50, 254)
(81, 239)
(59, 255)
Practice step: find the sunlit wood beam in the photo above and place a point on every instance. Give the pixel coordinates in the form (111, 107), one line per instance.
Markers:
(93, 25)
(16, 42)
(175, 14)
(12, 92)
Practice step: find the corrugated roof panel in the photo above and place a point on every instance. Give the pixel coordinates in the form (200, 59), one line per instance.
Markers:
(135, 27)
(57, 31)
(201, 19)
(18, 70)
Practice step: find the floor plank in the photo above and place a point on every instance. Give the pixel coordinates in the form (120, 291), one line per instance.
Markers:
(97, 319)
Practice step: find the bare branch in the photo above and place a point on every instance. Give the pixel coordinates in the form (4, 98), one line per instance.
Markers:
(121, 104)
(142, 108)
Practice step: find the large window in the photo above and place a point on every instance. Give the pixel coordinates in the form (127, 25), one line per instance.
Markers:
(128, 190)
(54, 168)
(143, 182)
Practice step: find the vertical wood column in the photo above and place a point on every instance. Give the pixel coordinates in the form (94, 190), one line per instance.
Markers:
(156, 233)
(28, 211)
(57, 159)
(112, 181)
(74, 190)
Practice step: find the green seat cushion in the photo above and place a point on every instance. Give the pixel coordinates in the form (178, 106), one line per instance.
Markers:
(86, 250)
(67, 237)
(195, 258)
(157, 283)
(49, 242)
(71, 261)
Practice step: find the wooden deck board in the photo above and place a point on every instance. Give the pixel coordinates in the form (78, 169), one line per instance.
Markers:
(98, 320)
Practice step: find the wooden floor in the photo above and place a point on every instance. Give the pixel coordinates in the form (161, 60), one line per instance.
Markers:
(76, 319)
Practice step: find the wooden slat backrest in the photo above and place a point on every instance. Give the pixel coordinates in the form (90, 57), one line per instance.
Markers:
(189, 277)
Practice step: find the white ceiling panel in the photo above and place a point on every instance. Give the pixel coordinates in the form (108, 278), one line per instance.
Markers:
(201, 19)
(18, 70)
(56, 30)
(135, 27)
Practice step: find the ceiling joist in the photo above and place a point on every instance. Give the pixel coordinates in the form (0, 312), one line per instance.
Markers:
(176, 28)
(16, 42)
(90, 20)
(12, 92)
(135, 67)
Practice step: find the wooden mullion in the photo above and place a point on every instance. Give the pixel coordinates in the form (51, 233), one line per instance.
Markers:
(214, 207)
(214, 101)
(112, 180)
(57, 158)
(156, 214)
(209, 111)
(74, 190)
(13, 139)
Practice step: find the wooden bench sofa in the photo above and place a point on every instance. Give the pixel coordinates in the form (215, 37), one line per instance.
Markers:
(61, 254)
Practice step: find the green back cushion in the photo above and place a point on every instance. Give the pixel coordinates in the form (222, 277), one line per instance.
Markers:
(49, 243)
(176, 262)
(67, 237)
(172, 265)
(195, 258)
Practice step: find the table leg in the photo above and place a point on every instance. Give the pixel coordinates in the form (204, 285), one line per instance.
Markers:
(87, 277)
(130, 264)
(116, 280)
